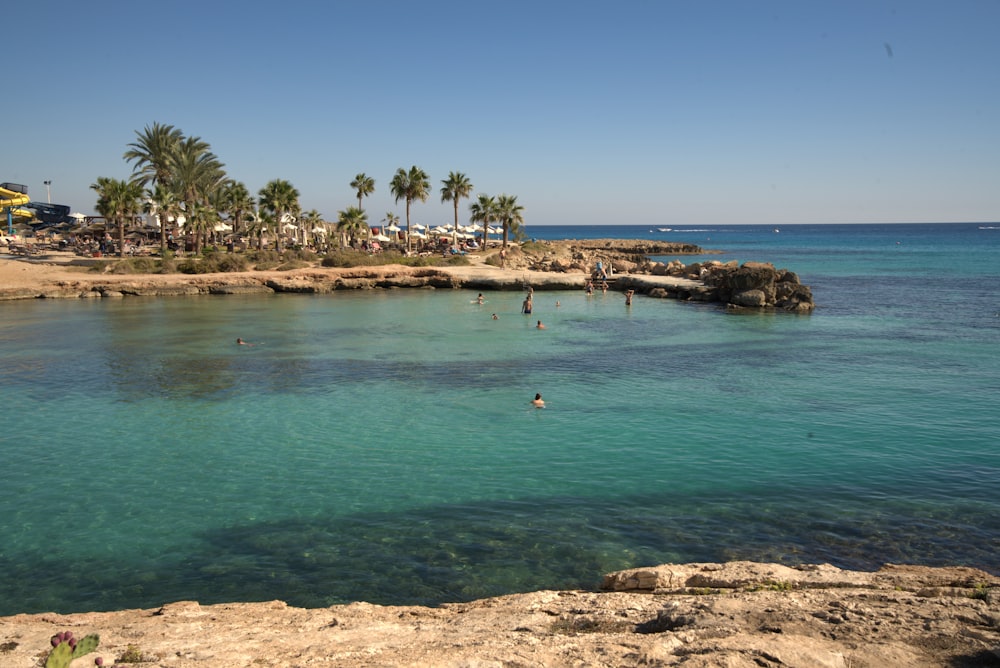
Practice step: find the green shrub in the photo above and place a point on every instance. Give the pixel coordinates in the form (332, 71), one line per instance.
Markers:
(230, 262)
(193, 267)
(132, 265)
(259, 257)
(302, 254)
(536, 247)
(293, 264)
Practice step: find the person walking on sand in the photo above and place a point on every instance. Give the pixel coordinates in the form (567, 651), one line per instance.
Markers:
(537, 402)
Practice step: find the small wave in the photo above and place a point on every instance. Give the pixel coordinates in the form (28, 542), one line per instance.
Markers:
(989, 227)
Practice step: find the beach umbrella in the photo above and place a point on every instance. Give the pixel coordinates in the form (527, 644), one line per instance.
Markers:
(381, 237)
(418, 227)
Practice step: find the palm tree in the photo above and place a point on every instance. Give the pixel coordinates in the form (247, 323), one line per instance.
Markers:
(455, 187)
(389, 220)
(198, 177)
(365, 185)
(484, 209)
(164, 203)
(118, 201)
(202, 218)
(510, 214)
(237, 203)
(279, 198)
(258, 225)
(411, 185)
(351, 222)
(308, 222)
(154, 152)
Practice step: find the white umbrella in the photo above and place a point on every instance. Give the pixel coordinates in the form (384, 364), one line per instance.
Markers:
(392, 228)
(419, 227)
(418, 235)
(381, 237)
(77, 215)
(222, 227)
(441, 229)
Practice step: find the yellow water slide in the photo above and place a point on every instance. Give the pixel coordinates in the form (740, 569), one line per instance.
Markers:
(11, 202)
(12, 198)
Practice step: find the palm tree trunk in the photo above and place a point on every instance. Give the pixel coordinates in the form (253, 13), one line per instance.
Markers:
(408, 225)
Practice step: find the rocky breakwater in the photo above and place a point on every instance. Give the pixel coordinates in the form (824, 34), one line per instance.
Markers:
(752, 285)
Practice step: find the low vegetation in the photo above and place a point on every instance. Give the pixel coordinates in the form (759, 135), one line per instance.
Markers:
(352, 258)
(211, 262)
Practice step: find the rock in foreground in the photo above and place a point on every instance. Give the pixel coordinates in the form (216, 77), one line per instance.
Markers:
(736, 614)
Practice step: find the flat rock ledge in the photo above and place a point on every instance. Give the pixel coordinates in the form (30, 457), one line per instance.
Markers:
(753, 286)
(738, 614)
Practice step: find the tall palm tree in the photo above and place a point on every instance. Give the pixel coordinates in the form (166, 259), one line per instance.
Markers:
(278, 198)
(351, 222)
(154, 153)
(454, 188)
(484, 210)
(365, 185)
(510, 214)
(198, 177)
(118, 201)
(411, 185)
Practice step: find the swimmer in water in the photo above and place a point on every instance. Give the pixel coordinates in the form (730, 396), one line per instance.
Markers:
(537, 401)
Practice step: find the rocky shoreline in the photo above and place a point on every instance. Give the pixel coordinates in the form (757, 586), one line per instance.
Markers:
(738, 614)
(562, 265)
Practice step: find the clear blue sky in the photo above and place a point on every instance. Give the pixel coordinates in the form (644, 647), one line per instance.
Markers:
(658, 112)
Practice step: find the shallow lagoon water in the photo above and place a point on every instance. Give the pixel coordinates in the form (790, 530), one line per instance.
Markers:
(379, 445)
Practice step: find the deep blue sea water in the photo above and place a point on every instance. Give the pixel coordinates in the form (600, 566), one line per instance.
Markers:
(379, 445)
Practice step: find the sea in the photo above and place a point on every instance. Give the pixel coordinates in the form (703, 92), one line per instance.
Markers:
(380, 445)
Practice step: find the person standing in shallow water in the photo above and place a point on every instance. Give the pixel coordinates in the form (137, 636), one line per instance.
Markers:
(628, 297)
(526, 306)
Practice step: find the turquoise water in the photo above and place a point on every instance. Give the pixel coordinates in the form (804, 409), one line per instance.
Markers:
(379, 445)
